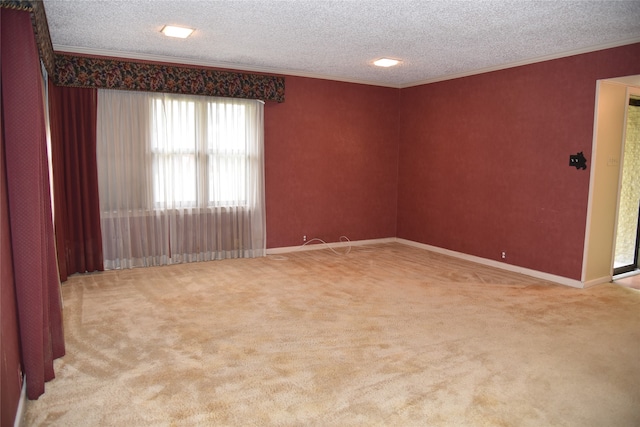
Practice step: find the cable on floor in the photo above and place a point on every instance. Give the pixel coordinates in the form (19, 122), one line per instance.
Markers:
(343, 239)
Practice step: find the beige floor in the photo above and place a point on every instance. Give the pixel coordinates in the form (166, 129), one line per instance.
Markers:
(630, 281)
(384, 335)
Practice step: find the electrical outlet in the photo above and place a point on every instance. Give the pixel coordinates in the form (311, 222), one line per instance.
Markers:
(304, 238)
(504, 255)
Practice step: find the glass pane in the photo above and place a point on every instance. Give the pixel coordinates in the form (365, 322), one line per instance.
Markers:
(227, 180)
(174, 180)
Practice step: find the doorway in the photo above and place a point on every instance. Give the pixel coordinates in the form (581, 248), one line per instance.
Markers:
(612, 97)
(627, 242)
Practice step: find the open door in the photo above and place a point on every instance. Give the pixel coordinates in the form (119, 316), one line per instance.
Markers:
(628, 217)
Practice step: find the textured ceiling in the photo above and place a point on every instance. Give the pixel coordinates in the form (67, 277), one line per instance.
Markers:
(339, 39)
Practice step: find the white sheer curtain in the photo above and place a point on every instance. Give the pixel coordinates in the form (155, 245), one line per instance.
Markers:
(181, 178)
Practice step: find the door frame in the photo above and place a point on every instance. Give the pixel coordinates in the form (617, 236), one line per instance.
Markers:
(631, 91)
(610, 106)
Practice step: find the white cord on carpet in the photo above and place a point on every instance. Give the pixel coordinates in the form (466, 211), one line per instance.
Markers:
(343, 239)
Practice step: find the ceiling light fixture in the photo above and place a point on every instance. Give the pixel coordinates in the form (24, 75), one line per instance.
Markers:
(386, 62)
(180, 32)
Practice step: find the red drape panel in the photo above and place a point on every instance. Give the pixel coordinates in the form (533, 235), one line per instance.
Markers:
(32, 237)
(10, 363)
(73, 114)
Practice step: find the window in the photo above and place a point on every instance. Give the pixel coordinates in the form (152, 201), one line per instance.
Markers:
(181, 178)
(199, 151)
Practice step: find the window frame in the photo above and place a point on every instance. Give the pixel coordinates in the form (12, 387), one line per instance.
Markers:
(205, 154)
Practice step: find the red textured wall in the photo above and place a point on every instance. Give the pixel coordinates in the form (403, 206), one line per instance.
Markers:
(331, 162)
(483, 164)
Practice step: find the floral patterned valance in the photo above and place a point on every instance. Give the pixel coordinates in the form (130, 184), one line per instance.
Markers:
(78, 71)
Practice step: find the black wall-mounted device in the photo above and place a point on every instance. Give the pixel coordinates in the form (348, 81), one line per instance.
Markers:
(578, 160)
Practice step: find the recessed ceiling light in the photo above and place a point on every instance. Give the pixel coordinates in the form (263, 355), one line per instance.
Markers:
(180, 32)
(386, 62)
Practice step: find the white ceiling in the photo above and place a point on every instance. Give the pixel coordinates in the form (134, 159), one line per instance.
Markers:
(339, 40)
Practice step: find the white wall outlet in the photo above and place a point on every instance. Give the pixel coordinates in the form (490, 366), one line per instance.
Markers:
(504, 255)
(304, 238)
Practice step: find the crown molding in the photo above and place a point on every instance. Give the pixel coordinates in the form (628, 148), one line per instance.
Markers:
(281, 71)
(525, 62)
(204, 63)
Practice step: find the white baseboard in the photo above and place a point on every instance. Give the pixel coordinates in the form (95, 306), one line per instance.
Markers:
(504, 266)
(313, 246)
(17, 422)
(472, 258)
(598, 281)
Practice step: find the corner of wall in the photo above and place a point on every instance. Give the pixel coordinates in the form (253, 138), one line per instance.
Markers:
(491, 263)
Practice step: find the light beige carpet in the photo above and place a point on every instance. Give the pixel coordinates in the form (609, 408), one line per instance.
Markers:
(385, 335)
